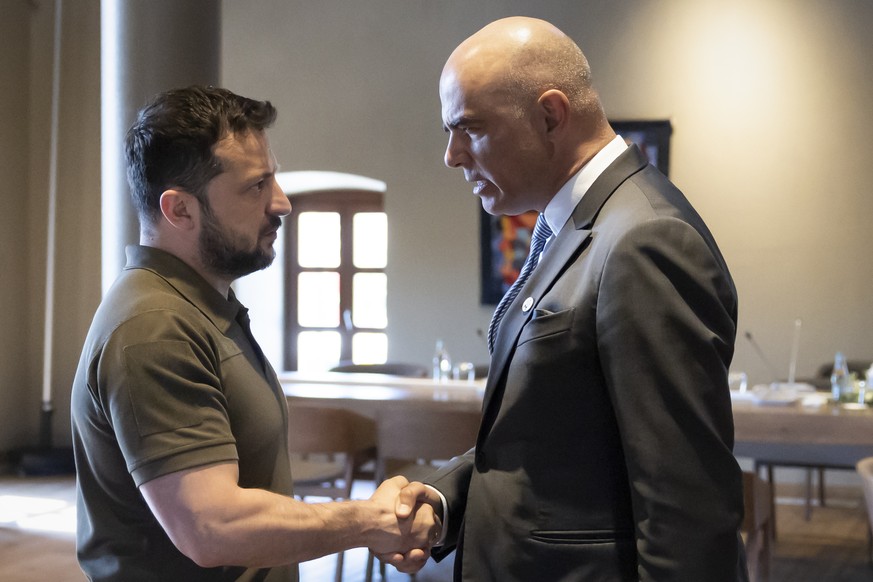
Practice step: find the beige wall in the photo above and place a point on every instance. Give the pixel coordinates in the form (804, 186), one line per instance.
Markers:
(769, 103)
(770, 107)
(25, 103)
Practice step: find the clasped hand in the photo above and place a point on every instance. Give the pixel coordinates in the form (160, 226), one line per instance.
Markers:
(416, 524)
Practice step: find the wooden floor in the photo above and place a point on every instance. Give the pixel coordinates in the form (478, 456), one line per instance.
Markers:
(37, 544)
(37, 525)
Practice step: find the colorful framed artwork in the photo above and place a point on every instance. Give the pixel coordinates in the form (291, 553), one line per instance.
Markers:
(505, 244)
(505, 240)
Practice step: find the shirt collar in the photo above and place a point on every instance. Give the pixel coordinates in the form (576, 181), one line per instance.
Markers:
(561, 206)
(187, 282)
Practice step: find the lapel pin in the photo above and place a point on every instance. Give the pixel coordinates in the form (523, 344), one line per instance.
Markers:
(528, 303)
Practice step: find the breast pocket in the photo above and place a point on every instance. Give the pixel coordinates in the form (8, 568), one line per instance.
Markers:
(545, 323)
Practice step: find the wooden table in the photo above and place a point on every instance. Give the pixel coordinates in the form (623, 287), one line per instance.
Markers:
(791, 435)
(826, 435)
(366, 393)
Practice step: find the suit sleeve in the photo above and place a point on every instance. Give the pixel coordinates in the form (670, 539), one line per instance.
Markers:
(666, 314)
(453, 481)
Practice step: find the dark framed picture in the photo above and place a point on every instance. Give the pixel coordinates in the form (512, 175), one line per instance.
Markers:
(505, 240)
(652, 137)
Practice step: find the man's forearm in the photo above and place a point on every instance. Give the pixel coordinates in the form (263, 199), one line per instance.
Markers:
(217, 524)
(269, 530)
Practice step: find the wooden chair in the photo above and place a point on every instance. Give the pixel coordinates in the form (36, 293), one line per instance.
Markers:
(326, 446)
(415, 442)
(865, 470)
(757, 522)
(810, 470)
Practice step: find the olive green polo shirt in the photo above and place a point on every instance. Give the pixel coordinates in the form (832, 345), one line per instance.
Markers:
(168, 380)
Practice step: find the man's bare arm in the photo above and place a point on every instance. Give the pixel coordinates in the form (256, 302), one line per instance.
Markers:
(215, 522)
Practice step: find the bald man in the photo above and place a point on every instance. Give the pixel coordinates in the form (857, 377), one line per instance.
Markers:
(605, 451)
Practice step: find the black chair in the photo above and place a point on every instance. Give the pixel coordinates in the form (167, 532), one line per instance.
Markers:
(391, 368)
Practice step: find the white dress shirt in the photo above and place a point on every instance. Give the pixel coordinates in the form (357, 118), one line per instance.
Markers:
(562, 204)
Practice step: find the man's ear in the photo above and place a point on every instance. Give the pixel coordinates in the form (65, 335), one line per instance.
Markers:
(179, 208)
(556, 110)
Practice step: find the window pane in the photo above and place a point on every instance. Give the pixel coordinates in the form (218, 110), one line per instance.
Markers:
(318, 239)
(317, 351)
(318, 299)
(369, 348)
(369, 304)
(370, 240)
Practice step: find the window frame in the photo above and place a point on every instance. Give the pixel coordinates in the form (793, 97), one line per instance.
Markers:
(346, 203)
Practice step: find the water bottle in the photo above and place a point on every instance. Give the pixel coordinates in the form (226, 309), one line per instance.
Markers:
(868, 386)
(442, 363)
(840, 380)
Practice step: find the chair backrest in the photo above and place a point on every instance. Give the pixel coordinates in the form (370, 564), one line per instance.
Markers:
(756, 499)
(865, 470)
(411, 434)
(327, 446)
(315, 429)
(858, 367)
(757, 523)
(341, 439)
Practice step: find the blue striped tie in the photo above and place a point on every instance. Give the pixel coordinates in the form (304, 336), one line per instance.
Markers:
(538, 240)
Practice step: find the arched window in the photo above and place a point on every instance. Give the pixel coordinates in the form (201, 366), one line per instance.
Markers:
(323, 301)
(335, 286)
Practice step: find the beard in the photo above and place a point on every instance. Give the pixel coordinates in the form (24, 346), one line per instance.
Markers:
(224, 253)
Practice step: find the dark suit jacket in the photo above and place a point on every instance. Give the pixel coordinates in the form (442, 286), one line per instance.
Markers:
(605, 446)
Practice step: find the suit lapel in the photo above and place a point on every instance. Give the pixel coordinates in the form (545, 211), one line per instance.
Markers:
(561, 251)
(628, 163)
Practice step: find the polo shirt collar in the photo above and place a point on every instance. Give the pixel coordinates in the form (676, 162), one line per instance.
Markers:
(187, 282)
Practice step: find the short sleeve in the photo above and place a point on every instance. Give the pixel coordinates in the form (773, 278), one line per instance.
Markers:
(162, 394)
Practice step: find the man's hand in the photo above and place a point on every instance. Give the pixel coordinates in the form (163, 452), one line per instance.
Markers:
(412, 499)
(412, 496)
(411, 535)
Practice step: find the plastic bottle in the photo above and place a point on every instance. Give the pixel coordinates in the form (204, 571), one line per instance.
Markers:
(840, 379)
(442, 363)
(868, 385)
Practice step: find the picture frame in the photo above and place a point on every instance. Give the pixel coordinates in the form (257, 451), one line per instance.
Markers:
(505, 240)
(652, 137)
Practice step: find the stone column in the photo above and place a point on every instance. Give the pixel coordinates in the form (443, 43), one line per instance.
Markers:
(146, 48)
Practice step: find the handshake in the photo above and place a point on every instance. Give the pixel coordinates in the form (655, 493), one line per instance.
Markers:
(409, 523)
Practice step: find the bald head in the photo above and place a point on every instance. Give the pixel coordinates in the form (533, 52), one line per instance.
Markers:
(520, 113)
(524, 57)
